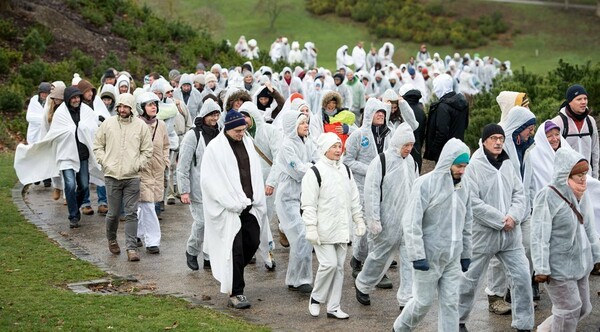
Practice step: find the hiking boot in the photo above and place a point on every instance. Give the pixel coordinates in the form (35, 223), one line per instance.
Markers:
(338, 314)
(132, 255)
(497, 305)
(192, 261)
(102, 210)
(362, 298)
(56, 193)
(314, 307)
(154, 250)
(283, 240)
(462, 327)
(595, 271)
(138, 242)
(238, 302)
(87, 210)
(385, 283)
(171, 200)
(304, 288)
(356, 267)
(73, 223)
(113, 247)
(206, 265)
(47, 183)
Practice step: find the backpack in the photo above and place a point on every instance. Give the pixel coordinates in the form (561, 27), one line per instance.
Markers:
(565, 132)
(197, 131)
(318, 175)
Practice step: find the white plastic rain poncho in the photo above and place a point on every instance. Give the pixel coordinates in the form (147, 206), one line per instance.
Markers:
(194, 100)
(35, 115)
(361, 149)
(294, 159)
(295, 84)
(495, 194)
(342, 58)
(386, 54)
(541, 158)
(564, 248)
(224, 200)
(431, 233)
(191, 152)
(385, 199)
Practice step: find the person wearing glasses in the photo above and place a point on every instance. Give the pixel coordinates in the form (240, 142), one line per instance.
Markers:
(499, 206)
(519, 128)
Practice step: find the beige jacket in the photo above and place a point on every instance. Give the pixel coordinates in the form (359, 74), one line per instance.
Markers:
(122, 147)
(152, 185)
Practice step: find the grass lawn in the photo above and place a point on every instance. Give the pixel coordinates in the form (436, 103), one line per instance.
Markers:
(545, 34)
(34, 272)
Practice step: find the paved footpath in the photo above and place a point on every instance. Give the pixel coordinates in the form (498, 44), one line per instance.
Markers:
(272, 303)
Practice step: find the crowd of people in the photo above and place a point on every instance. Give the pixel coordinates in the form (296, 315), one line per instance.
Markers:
(335, 159)
(472, 75)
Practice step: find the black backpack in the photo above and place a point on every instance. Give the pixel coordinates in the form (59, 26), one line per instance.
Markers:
(318, 175)
(565, 132)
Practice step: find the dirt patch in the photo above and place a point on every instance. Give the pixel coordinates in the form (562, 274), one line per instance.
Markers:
(69, 30)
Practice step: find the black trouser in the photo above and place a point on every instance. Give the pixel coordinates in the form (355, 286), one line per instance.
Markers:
(244, 247)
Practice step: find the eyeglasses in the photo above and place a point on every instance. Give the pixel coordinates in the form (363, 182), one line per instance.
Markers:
(497, 138)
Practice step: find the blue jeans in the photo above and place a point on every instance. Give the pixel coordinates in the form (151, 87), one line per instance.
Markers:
(76, 185)
(100, 191)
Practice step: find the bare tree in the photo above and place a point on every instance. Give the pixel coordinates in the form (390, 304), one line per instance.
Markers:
(273, 9)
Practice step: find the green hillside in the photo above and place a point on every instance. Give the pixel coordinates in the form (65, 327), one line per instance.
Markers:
(539, 36)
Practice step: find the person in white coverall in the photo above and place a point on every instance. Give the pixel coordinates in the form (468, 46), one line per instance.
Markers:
(564, 243)
(191, 150)
(296, 155)
(362, 147)
(330, 203)
(386, 192)
(499, 206)
(519, 127)
(437, 231)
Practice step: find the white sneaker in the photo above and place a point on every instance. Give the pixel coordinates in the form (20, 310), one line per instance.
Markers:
(313, 308)
(339, 314)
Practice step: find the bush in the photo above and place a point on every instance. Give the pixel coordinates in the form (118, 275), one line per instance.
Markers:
(8, 31)
(10, 101)
(412, 21)
(34, 43)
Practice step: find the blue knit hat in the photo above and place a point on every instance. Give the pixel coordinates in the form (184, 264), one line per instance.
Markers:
(574, 91)
(234, 119)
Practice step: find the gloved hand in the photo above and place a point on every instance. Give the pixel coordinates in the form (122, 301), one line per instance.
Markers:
(360, 229)
(374, 227)
(312, 235)
(541, 278)
(464, 264)
(421, 264)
